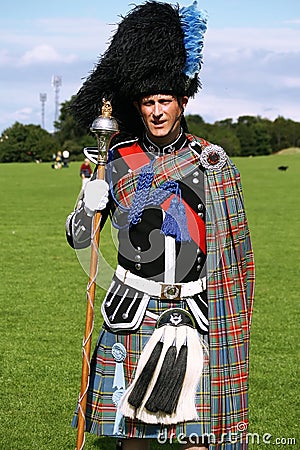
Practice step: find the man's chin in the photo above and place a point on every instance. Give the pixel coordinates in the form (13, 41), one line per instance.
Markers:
(163, 135)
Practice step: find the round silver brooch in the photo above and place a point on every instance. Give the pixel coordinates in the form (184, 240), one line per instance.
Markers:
(213, 157)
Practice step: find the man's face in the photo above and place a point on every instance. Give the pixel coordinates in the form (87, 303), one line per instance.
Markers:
(161, 114)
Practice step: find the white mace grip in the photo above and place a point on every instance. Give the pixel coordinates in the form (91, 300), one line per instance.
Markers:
(95, 196)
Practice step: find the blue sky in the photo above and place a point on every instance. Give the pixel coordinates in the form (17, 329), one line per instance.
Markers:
(251, 56)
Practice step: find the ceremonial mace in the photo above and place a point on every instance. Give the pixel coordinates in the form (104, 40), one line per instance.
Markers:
(104, 126)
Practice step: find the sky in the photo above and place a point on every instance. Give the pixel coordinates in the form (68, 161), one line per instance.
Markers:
(251, 56)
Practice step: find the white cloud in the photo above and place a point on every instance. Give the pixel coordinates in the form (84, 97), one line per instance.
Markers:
(222, 105)
(291, 82)
(229, 40)
(69, 35)
(5, 58)
(44, 54)
(20, 115)
(292, 22)
(217, 107)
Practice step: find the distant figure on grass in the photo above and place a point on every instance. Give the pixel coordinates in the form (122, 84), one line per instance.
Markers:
(283, 168)
(85, 172)
(65, 159)
(57, 160)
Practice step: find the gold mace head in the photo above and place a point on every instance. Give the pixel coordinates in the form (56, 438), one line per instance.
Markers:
(106, 110)
(105, 123)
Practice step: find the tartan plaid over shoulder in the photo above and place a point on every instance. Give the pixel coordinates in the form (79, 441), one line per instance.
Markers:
(230, 287)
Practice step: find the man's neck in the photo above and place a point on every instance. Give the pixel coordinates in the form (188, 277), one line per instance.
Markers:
(164, 140)
(175, 144)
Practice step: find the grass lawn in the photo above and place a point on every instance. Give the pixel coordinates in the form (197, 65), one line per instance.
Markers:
(43, 304)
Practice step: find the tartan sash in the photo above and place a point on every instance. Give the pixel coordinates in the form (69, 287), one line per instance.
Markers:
(230, 290)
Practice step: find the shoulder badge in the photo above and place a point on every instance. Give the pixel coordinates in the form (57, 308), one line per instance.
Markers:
(213, 157)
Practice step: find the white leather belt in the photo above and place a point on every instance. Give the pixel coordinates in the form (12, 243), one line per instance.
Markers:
(175, 291)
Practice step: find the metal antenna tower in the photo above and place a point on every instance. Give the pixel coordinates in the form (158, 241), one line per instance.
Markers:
(43, 98)
(56, 83)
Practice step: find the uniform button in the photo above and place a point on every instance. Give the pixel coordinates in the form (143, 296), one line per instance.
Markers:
(198, 268)
(200, 214)
(138, 266)
(199, 259)
(139, 249)
(137, 257)
(198, 251)
(200, 206)
(196, 174)
(195, 180)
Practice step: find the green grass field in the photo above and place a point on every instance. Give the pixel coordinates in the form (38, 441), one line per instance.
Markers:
(43, 304)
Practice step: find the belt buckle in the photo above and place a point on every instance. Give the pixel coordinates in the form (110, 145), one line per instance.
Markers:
(170, 291)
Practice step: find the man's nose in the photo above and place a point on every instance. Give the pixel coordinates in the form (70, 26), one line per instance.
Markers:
(157, 110)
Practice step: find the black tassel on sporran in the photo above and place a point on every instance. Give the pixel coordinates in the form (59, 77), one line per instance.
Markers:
(162, 384)
(168, 402)
(136, 396)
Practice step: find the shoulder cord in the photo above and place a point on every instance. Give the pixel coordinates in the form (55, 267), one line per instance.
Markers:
(143, 196)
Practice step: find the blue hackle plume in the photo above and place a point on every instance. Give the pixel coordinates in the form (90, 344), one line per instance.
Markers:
(194, 25)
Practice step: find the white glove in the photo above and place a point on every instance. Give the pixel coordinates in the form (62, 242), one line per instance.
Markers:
(95, 196)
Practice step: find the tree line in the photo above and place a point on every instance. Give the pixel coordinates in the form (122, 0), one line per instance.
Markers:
(247, 136)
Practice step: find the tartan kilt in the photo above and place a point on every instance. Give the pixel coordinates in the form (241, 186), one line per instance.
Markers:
(101, 410)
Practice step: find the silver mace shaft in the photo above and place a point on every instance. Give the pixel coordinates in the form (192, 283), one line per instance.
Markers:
(104, 126)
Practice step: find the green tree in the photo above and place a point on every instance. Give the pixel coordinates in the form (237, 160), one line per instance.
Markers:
(223, 133)
(284, 133)
(263, 137)
(25, 143)
(196, 124)
(70, 135)
(245, 131)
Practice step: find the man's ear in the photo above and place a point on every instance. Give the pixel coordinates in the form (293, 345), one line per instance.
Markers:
(184, 101)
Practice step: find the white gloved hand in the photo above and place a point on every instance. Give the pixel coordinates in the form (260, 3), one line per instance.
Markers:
(95, 196)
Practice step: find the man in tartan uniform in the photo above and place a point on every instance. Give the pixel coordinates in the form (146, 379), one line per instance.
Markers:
(184, 284)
